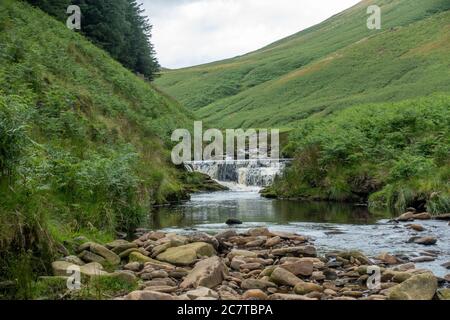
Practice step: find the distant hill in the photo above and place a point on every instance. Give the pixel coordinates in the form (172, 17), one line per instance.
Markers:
(333, 65)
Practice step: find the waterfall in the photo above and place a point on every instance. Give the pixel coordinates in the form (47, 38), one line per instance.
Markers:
(241, 173)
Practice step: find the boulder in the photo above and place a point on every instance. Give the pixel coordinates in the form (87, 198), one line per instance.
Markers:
(74, 260)
(136, 256)
(92, 269)
(416, 227)
(419, 287)
(123, 276)
(254, 294)
(388, 259)
(307, 251)
(133, 266)
(257, 232)
(408, 216)
(92, 257)
(426, 241)
(283, 277)
(206, 273)
(110, 257)
(272, 242)
(349, 255)
(126, 254)
(60, 268)
(225, 235)
(443, 294)
(163, 289)
(204, 237)
(443, 217)
(300, 268)
(116, 243)
(202, 292)
(187, 254)
(288, 297)
(233, 222)
(249, 284)
(157, 250)
(422, 216)
(241, 253)
(303, 288)
(148, 295)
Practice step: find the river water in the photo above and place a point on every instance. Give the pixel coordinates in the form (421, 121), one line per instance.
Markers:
(331, 226)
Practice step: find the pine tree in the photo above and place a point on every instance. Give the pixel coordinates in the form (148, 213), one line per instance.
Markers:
(118, 26)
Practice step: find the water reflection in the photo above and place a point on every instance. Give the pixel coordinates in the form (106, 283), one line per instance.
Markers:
(214, 208)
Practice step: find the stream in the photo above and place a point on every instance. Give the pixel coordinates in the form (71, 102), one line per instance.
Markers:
(332, 226)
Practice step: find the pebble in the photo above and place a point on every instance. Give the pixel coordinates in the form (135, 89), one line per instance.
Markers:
(254, 294)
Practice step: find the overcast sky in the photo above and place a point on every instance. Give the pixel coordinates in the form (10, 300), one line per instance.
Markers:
(192, 32)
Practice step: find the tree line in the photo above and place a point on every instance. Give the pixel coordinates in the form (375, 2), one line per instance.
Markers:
(118, 26)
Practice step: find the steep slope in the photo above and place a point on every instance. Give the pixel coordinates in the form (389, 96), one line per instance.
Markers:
(335, 64)
(83, 142)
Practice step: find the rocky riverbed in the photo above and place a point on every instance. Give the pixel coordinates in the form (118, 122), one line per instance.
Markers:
(255, 265)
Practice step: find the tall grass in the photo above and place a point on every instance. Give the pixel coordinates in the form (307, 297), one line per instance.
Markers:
(394, 155)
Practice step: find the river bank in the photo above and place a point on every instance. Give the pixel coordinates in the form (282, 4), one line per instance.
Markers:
(257, 264)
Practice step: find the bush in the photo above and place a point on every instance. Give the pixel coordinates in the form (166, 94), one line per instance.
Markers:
(398, 153)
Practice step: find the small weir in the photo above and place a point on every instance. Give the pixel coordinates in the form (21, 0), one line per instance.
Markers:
(249, 173)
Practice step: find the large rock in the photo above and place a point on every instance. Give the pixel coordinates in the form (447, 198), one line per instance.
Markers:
(108, 255)
(287, 297)
(388, 259)
(60, 268)
(303, 288)
(443, 294)
(138, 257)
(241, 253)
(206, 273)
(407, 216)
(300, 267)
(88, 256)
(307, 251)
(283, 277)
(249, 284)
(204, 237)
(256, 232)
(187, 254)
(426, 241)
(74, 260)
(420, 287)
(202, 292)
(351, 255)
(254, 294)
(148, 295)
(422, 216)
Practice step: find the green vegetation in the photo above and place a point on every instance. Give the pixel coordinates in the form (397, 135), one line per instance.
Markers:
(84, 144)
(395, 153)
(367, 109)
(118, 26)
(336, 64)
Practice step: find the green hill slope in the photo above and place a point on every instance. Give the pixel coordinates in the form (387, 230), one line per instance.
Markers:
(83, 142)
(333, 65)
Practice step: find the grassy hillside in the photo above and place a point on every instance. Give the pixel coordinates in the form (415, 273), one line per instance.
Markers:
(84, 144)
(368, 109)
(336, 64)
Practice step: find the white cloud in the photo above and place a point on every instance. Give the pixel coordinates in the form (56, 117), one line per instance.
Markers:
(191, 32)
